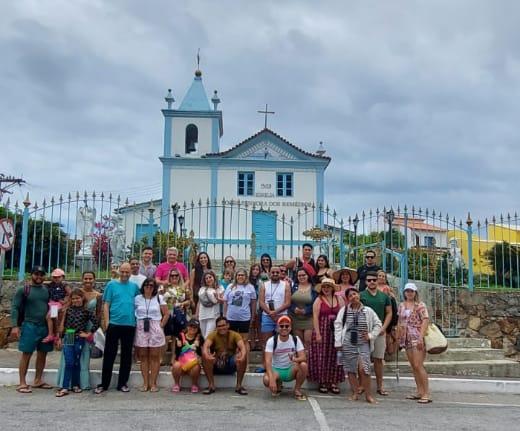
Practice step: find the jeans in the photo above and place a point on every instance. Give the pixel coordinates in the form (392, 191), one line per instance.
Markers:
(114, 335)
(72, 355)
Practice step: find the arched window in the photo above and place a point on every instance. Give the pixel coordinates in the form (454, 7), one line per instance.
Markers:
(192, 137)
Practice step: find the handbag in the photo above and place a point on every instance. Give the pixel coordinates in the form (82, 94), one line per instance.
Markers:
(188, 357)
(434, 340)
(176, 322)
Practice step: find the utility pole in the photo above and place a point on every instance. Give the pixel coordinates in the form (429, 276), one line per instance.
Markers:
(9, 182)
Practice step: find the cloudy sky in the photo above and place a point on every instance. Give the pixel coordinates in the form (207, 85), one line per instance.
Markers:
(416, 102)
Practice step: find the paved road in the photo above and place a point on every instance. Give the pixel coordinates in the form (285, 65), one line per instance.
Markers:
(226, 410)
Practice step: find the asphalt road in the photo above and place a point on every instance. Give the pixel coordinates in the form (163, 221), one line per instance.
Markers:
(227, 410)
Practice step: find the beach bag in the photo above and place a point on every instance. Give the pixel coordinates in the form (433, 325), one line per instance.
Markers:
(99, 344)
(176, 322)
(188, 357)
(435, 342)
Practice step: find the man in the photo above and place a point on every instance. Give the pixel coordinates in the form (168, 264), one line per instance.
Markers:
(119, 321)
(285, 360)
(370, 265)
(379, 302)
(224, 352)
(306, 261)
(275, 299)
(147, 268)
(283, 275)
(33, 328)
(136, 277)
(163, 270)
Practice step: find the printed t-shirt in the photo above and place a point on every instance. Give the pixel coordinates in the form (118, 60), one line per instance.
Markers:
(238, 299)
(281, 357)
(138, 279)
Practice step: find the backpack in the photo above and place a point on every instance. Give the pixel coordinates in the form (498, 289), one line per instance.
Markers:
(395, 316)
(23, 304)
(275, 341)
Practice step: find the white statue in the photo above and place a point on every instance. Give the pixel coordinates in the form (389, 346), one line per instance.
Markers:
(456, 253)
(117, 239)
(85, 220)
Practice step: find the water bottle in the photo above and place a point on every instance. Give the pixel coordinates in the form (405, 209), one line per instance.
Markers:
(339, 356)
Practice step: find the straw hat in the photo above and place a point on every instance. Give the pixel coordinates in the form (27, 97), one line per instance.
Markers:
(353, 275)
(328, 282)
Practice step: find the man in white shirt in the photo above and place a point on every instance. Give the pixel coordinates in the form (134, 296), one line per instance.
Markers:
(285, 360)
(135, 276)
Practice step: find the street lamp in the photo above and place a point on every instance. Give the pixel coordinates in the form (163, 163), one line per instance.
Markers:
(356, 222)
(151, 210)
(175, 211)
(181, 223)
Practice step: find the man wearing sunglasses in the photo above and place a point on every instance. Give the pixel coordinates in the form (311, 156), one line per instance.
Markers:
(285, 360)
(369, 265)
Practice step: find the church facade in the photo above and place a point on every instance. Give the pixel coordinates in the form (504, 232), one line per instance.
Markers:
(264, 185)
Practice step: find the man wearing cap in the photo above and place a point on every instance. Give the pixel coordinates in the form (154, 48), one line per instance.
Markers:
(285, 360)
(379, 302)
(370, 265)
(31, 327)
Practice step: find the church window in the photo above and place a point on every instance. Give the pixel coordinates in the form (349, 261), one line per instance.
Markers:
(284, 184)
(192, 137)
(246, 183)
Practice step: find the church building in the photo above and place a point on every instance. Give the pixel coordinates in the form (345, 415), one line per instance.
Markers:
(264, 185)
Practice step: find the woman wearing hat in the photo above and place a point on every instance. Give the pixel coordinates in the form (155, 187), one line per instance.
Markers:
(345, 279)
(323, 366)
(302, 298)
(411, 328)
(190, 339)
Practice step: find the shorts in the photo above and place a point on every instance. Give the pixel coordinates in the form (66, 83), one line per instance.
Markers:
(31, 337)
(379, 347)
(230, 367)
(153, 338)
(286, 374)
(268, 325)
(239, 326)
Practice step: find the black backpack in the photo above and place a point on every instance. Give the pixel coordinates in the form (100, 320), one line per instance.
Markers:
(395, 316)
(23, 304)
(275, 341)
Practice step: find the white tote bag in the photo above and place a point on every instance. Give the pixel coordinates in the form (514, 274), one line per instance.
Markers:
(434, 340)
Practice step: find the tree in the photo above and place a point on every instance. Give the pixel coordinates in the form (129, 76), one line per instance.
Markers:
(504, 260)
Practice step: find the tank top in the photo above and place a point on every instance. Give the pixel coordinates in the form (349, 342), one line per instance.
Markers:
(275, 292)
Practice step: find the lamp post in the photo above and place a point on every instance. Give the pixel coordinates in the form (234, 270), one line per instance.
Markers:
(175, 211)
(356, 223)
(151, 210)
(390, 215)
(181, 224)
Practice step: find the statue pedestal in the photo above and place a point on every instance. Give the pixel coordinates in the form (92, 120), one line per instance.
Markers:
(85, 262)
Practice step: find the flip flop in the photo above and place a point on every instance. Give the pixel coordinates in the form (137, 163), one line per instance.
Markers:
(413, 397)
(300, 396)
(154, 389)
(382, 392)
(335, 390)
(99, 390)
(24, 389)
(42, 386)
(424, 401)
(77, 390)
(62, 393)
(323, 389)
(241, 391)
(208, 391)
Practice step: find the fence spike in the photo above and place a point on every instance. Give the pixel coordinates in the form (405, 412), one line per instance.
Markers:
(501, 219)
(363, 214)
(478, 224)
(35, 205)
(508, 218)
(486, 222)
(207, 202)
(94, 194)
(313, 207)
(370, 213)
(405, 208)
(200, 202)
(427, 212)
(292, 220)
(52, 200)
(334, 214)
(494, 220)
(77, 195)
(16, 205)
(44, 203)
(61, 199)
(127, 202)
(398, 209)
(349, 220)
(469, 222)
(7, 202)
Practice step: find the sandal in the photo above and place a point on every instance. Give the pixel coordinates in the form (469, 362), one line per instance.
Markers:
(300, 396)
(241, 391)
(413, 397)
(24, 389)
(154, 389)
(424, 400)
(124, 389)
(208, 391)
(323, 389)
(335, 390)
(382, 392)
(62, 393)
(194, 389)
(99, 390)
(176, 389)
(42, 385)
(77, 390)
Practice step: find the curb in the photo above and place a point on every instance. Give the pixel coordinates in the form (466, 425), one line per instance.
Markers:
(9, 377)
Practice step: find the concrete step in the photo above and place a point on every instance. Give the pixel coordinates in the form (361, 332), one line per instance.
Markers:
(467, 354)
(459, 343)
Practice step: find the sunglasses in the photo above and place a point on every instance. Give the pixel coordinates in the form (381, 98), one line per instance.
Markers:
(229, 261)
(371, 280)
(174, 275)
(369, 257)
(283, 270)
(284, 326)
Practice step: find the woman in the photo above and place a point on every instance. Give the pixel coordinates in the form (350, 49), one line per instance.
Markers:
(323, 363)
(302, 298)
(202, 264)
(211, 295)
(152, 314)
(382, 283)
(254, 332)
(355, 329)
(345, 279)
(93, 303)
(176, 294)
(266, 264)
(322, 269)
(190, 339)
(230, 263)
(240, 304)
(411, 328)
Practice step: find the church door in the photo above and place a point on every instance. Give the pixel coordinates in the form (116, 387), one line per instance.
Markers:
(264, 227)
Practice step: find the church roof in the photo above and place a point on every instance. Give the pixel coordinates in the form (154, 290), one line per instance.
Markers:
(196, 98)
(268, 131)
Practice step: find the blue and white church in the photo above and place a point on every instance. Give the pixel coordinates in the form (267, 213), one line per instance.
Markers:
(264, 185)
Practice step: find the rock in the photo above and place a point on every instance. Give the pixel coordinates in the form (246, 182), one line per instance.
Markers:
(509, 347)
(496, 343)
(507, 326)
(474, 323)
(4, 333)
(491, 330)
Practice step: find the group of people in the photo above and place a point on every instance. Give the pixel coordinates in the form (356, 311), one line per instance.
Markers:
(311, 322)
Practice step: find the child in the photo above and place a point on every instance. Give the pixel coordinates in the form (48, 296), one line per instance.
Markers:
(73, 327)
(227, 277)
(58, 296)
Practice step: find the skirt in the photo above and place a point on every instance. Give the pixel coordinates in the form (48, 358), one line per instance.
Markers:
(153, 338)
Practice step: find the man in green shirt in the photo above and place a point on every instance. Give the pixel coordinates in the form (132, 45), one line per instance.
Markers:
(381, 304)
(33, 328)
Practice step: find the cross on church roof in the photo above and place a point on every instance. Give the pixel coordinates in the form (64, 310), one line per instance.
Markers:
(265, 113)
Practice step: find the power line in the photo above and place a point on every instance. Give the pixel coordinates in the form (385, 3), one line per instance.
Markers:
(9, 182)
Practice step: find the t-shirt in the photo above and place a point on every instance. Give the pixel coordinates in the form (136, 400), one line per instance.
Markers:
(224, 343)
(362, 274)
(152, 305)
(35, 306)
(284, 350)
(238, 299)
(163, 270)
(138, 279)
(212, 295)
(376, 302)
(57, 291)
(148, 271)
(121, 299)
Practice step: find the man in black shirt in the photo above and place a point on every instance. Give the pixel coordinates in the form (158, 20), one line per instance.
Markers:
(370, 265)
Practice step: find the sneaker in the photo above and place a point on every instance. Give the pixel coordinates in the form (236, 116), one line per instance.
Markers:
(194, 389)
(176, 388)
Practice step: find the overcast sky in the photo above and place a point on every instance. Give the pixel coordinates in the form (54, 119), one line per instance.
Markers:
(416, 102)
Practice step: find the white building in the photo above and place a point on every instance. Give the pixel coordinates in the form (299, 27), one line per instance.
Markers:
(263, 185)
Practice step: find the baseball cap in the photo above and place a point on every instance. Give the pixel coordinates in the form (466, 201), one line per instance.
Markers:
(58, 272)
(284, 318)
(38, 268)
(410, 286)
